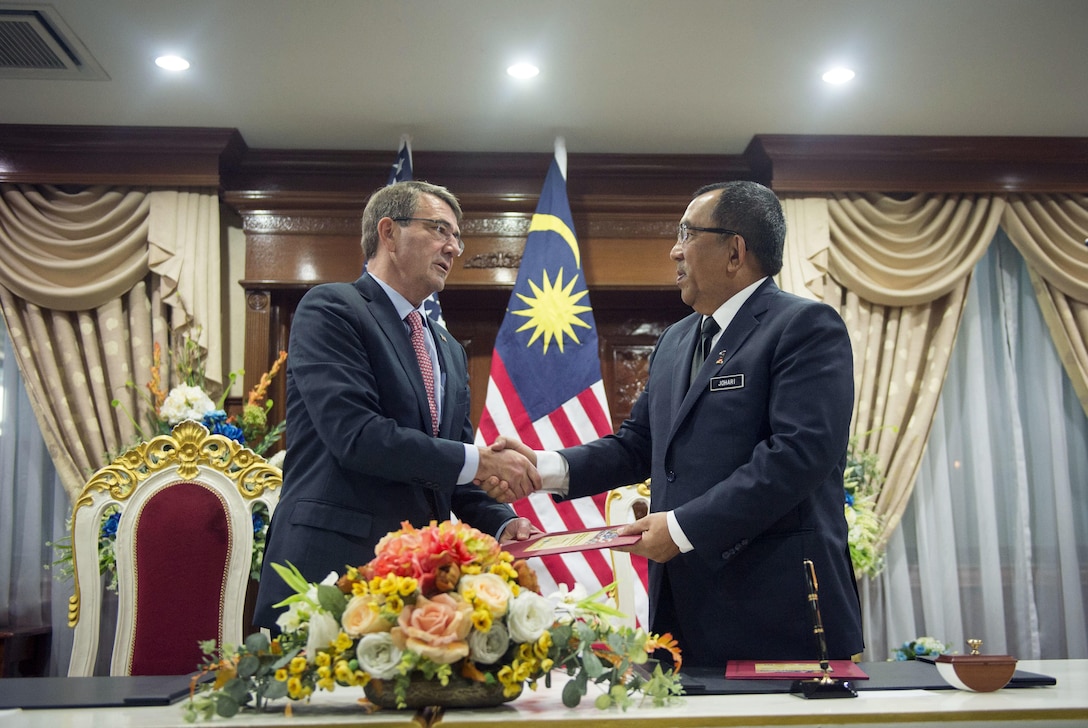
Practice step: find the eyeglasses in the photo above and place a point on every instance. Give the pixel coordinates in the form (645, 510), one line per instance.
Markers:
(443, 228)
(684, 231)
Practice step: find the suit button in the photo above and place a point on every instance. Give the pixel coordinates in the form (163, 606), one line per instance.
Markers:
(670, 475)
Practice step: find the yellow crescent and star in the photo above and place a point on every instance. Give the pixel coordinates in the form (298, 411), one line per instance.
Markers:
(553, 309)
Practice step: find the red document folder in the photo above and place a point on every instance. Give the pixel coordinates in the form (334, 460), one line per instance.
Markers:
(790, 670)
(567, 541)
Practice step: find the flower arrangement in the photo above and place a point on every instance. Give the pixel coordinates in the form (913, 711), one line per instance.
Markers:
(441, 604)
(189, 401)
(920, 647)
(862, 481)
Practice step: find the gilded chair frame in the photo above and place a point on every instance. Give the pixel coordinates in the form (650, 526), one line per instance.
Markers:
(237, 476)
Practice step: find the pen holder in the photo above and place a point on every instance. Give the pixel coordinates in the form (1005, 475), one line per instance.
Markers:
(824, 687)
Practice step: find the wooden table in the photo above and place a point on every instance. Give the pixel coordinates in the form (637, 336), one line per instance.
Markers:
(1065, 704)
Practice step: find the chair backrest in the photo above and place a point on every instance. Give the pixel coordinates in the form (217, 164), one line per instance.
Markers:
(183, 550)
(626, 505)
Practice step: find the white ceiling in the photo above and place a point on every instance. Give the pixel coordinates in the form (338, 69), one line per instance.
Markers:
(619, 76)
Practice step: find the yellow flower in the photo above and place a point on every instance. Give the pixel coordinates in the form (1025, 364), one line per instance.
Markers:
(323, 660)
(344, 673)
(343, 643)
(281, 675)
(294, 687)
(481, 620)
(298, 665)
(394, 604)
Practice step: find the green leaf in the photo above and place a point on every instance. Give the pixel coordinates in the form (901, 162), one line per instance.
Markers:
(572, 695)
(226, 706)
(237, 690)
(248, 666)
(592, 664)
(275, 690)
(293, 577)
(332, 600)
(256, 643)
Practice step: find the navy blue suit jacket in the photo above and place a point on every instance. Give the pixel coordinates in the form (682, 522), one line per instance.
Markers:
(360, 459)
(750, 457)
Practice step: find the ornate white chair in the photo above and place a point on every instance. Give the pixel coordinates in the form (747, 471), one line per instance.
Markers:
(183, 550)
(626, 505)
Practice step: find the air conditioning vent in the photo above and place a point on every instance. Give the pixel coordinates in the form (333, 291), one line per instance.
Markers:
(36, 44)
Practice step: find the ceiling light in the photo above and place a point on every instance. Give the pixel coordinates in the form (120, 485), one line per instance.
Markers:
(172, 63)
(838, 75)
(523, 70)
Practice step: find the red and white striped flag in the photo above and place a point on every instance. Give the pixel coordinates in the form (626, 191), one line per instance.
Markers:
(545, 385)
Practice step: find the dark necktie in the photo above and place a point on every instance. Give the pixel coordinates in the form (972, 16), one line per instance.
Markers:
(415, 325)
(710, 328)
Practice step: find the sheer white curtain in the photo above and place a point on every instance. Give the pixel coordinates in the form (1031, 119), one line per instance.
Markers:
(33, 507)
(995, 539)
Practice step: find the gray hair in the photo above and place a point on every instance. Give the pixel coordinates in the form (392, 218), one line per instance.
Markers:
(399, 200)
(755, 212)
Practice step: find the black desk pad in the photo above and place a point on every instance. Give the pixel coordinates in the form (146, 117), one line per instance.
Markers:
(906, 675)
(92, 692)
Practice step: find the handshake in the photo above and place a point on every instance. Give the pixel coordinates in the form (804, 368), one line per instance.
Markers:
(507, 470)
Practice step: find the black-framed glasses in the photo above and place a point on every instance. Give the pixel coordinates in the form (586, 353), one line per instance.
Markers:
(684, 231)
(443, 228)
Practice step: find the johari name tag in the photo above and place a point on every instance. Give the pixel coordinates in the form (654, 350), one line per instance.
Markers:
(729, 381)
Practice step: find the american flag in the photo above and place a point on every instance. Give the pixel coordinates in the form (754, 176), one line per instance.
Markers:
(545, 385)
(401, 171)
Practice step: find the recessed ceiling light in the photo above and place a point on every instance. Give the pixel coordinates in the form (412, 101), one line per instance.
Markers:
(172, 63)
(523, 70)
(838, 75)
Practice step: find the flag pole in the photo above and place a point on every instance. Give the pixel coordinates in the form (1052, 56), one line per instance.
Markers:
(561, 155)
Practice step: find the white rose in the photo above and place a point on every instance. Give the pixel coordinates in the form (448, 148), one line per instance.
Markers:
(378, 656)
(185, 403)
(487, 648)
(323, 632)
(530, 614)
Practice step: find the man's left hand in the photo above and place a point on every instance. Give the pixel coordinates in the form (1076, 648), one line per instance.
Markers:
(656, 543)
(519, 529)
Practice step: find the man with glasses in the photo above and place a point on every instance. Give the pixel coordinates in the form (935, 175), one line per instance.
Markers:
(378, 424)
(743, 428)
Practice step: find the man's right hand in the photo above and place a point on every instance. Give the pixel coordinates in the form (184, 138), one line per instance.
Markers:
(508, 472)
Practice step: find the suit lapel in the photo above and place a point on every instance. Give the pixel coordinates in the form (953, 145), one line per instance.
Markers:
(732, 339)
(396, 334)
(445, 363)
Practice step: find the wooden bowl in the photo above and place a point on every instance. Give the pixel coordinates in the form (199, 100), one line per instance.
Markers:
(978, 673)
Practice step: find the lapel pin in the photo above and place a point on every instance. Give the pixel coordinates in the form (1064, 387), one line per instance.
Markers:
(721, 357)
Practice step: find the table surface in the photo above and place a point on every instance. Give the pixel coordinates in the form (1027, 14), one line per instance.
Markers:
(1064, 704)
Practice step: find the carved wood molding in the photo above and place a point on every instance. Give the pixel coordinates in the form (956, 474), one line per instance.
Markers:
(820, 164)
(137, 156)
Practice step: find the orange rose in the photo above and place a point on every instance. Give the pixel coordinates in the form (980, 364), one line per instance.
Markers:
(435, 628)
(361, 616)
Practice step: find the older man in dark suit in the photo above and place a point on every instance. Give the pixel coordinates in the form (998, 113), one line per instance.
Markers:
(378, 422)
(744, 438)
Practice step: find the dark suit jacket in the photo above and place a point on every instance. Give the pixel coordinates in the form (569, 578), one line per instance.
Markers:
(359, 458)
(751, 457)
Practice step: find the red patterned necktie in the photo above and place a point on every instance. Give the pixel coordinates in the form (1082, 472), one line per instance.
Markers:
(415, 324)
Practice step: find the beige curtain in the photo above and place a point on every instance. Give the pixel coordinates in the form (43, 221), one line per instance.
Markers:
(897, 269)
(89, 280)
(1051, 232)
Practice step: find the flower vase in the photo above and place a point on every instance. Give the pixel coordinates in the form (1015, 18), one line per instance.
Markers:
(422, 693)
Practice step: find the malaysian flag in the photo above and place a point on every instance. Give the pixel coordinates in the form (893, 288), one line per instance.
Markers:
(545, 385)
(401, 171)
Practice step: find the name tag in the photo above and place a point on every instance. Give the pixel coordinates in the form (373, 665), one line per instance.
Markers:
(729, 381)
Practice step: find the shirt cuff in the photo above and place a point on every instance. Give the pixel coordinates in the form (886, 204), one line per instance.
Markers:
(677, 533)
(472, 464)
(554, 472)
